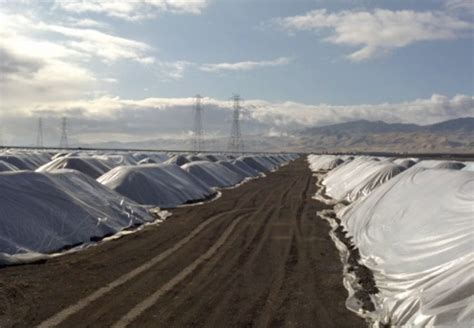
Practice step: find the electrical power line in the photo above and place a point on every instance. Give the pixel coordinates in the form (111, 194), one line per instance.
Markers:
(39, 135)
(63, 142)
(198, 141)
(235, 141)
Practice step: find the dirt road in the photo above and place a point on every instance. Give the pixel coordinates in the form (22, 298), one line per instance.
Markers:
(256, 257)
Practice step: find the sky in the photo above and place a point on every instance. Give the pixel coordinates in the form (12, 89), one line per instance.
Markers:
(129, 70)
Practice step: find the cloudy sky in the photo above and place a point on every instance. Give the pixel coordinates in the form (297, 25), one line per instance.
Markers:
(128, 69)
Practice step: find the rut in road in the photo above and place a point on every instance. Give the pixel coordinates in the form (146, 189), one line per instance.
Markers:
(276, 267)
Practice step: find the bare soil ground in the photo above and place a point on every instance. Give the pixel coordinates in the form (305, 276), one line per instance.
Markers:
(256, 257)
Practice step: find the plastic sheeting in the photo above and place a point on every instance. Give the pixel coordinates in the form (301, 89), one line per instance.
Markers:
(415, 233)
(25, 160)
(45, 212)
(177, 160)
(164, 185)
(7, 167)
(240, 173)
(91, 166)
(450, 166)
(250, 171)
(143, 158)
(256, 164)
(213, 174)
(359, 177)
(324, 163)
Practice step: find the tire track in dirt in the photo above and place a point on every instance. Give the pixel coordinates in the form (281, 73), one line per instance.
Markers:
(152, 299)
(81, 304)
(239, 262)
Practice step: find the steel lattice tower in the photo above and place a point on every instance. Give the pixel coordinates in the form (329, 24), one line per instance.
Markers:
(39, 136)
(63, 143)
(235, 141)
(198, 141)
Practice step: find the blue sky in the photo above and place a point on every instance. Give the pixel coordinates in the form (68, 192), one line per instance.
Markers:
(127, 70)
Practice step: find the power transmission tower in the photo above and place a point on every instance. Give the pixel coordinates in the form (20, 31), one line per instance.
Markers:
(63, 143)
(235, 141)
(198, 141)
(39, 136)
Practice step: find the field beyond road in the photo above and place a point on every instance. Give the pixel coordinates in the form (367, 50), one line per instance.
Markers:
(258, 256)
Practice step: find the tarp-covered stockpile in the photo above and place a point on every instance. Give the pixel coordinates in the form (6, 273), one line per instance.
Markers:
(164, 185)
(250, 171)
(357, 178)
(324, 163)
(416, 234)
(442, 164)
(178, 160)
(25, 160)
(258, 163)
(91, 166)
(242, 174)
(213, 174)
(147, 158)
(7, 167)
(46, 212)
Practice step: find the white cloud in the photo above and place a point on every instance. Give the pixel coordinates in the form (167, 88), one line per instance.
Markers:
(99, 44)
(173, 70)
(378, 31)
(176, 70)
(35, 69)
(44, 63)
(86, 22)
(462, 6)
(420, 111)
(133, 10)
(244, 65)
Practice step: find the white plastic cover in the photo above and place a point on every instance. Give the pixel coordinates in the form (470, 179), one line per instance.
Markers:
(45, 212)
(213, 174)
(415, 233)
(25, 160)
(7, 167)
(324, 162)
(246, 168)
(91, 166)
(164, 185)
(257, 164)
(359, 177)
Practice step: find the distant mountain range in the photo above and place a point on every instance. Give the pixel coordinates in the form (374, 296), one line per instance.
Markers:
(465, 124)
(450, 136)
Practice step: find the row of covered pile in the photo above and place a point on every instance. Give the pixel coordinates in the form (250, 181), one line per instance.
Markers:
(53, 201)
(412, 221)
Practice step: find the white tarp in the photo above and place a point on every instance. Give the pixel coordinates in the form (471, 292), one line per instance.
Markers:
(7, 167)
(25, 160)
(177, 160)
(241, 173)
(91, 166)
(45, 212)
(324, 162)
(256, 163)
(246, 168)
(150, 157)
(164, 185)
(213, 174)
(415, 233)
(359, 177)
